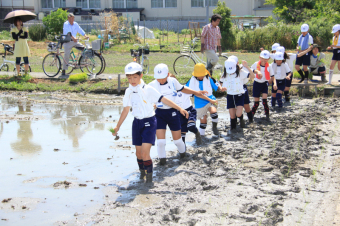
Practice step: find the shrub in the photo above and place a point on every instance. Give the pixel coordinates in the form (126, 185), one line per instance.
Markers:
(55, 21)
(37, 32)
(81, 77)
(5, 35)
(185, 32)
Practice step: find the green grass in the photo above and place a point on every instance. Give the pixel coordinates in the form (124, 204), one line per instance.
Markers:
(80, 77)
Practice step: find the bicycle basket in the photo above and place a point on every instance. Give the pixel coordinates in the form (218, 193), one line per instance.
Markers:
(65, 38)
(89, 53)
(96, 44)
(8, 48)
(52, 47)
(185, 49)
(133, 52)
(146, 51)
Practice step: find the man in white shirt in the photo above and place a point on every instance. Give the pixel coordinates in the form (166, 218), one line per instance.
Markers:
(71, 27)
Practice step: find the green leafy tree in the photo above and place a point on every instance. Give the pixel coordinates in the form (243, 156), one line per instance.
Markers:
(54, 21)
(225, 24)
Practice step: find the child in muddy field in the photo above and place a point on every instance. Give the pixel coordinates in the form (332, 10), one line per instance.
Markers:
(189, 124)
(246, 105)
(261, 82)
(304, 41)
(167, 115)
(200, 81)
(141, 98)
(233, 80)
(289, 59)
(336, 51)
(280, 72)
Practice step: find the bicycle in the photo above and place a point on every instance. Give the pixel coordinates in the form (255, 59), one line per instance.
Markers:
(139, 53)
(5, 67)
(87, 58)
(184, 64)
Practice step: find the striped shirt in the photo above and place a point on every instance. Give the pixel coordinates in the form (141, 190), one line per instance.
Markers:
(211, 35)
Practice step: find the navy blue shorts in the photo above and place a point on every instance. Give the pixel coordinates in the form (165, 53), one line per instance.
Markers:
(235, 100)
(281, 85)
(336, 54)
(246, 95)
(320, 69)
(304, 60)
(144, 131)
(259, 88)
(168, 117)
(289, 82)
(192, 117)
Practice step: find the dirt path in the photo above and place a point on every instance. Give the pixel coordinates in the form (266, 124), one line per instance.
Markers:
(283, 172)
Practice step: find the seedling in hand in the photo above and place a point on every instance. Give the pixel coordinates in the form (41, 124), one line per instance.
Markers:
(113, 131)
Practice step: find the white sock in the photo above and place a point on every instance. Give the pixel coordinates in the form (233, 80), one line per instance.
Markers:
(202, 131)
(330, 76)
(180, 145)
(161, 148)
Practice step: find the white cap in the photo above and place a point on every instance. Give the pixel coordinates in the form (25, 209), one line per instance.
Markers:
(234, 58)
(304, 27)
(281, 49)
(230, 66)
(336, 28)
(265, 54)
(161, 71)
(278, 56)
(274, 46)
(133, 68)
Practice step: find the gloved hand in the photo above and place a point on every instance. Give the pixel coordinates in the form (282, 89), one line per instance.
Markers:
(202, 48)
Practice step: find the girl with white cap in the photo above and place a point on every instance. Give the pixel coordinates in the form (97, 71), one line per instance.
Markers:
(166, 115)
(280, 72)
(304, 41)
(336, 51)
(233, 80)
(289, 59)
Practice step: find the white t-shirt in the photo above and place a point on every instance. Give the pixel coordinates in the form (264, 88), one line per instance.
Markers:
(168, 90)
(183, 100)
(338, 44)
(235, 84)
(246, 70)
(279, 72)
(263, 79)
(142, 104)
(290, 61)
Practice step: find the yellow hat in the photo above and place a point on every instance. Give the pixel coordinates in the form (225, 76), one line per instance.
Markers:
(200, 70)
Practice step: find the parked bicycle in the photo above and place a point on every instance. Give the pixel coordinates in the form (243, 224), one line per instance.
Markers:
(184, 64)
(87, 57)
(5, 65)
(139, 56)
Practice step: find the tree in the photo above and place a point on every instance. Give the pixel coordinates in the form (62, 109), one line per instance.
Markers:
(225, 24)
(54, 22)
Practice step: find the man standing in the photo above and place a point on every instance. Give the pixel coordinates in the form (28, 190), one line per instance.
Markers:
(210, 39)
(71, 27)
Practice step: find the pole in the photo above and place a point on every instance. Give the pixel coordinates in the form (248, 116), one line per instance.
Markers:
(144, 30)
(207, 10)
(167, 31)
(178, 31)
(118, 83)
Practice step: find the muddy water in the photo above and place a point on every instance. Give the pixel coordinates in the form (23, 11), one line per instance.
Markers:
(43, 145)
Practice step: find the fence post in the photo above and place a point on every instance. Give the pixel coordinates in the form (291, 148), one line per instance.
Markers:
(167, 31)
(178, 31)
(144, 31)
(119, 84)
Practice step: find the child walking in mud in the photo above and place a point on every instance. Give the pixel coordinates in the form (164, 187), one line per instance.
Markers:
(289, 59)
(167, 115)
(261, 69)
(304, 41)
(246, 105)
(141, 98)
(200, 81)
(336, 51)
(189, 124)
(233, 80)
(280, 72)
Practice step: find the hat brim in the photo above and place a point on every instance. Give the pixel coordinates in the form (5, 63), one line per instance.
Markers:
(231, 71)
(132, 72)
(304, 30)
(334, 32)
(201, 74)
(279, 59)
(160, 76)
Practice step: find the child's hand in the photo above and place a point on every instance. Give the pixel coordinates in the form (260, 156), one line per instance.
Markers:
(259, 75)
(329, 47)
(154, 106)
(288, 78)
(184, 113)
(244, 63)
(203, 92)
(116, 131)
(298, 48)
(275, 87)
(214, 102)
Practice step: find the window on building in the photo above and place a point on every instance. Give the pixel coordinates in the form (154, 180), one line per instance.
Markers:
(163, 3)
(201, 3)
(49, 4)
(94, 4)
(122, 4)
(88, 4)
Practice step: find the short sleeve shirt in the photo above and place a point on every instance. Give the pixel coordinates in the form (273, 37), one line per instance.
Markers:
(211, 36)
(234, 84)
(263, 79)
(338, 44)
(281, 71)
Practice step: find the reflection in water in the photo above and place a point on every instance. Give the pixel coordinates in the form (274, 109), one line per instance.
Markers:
(23, 145)
(2, 128)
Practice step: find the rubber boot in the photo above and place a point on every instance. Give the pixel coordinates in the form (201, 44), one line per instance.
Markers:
(149, 177)
(142, 174)
(323, 78)
(250, 117)
(198, 138)
(214, 128)
(267, 117)
(242, 123)
(162, 161)
(182, 155)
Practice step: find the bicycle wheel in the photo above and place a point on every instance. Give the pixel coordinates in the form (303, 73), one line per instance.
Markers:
(51, 65)
(104, 65)
(4, 67)
(92, 64)
(184, 65)
(219, 67)
(145, 65)
(22, 67)
(70, 62)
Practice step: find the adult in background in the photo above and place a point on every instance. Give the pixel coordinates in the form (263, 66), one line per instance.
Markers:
(21, 49)
(210, 40)
(317, 61)
(73, 28)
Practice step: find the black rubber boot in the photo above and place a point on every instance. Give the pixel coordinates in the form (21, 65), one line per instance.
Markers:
(267, 117)
(242, 123)
(149, 177)
(250, 117)
(63, 73)
(182, 155)
(142, 174)
(198, 138)
(162, 161)
(214, 128)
